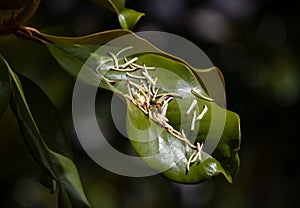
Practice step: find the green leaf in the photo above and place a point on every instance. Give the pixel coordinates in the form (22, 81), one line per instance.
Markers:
(127, 17)
(4, 85)
(48, 182)
(63, 199)
(165, 152)
(40, 126)
(99, 38)
(171, 151)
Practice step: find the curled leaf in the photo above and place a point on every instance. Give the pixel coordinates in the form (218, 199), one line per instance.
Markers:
(127, 17)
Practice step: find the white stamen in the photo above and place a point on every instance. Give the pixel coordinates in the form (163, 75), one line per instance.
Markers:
(193, 104)
(195, 157)
(155, 80)
(164, 109)
(102, 63)
(143, 85)
(193, 120)
(128, 63)
(155, 93)
(143, 67)
(138, 87)
(134, 76)
(196, 93)
(169, 127)
(186, 147)
(161, 119)
(133, 90)
(143, 110)
(106, 79)
(199, 149)
(167, 101)
(169, 94)
(190, 161)
(149, 90)
(186, 140)
(205, 108)
(129, 91)
(139, 97)
(115, 59)
(150, 114)
(123, 50)
(175, 134)
(123, 70)
(163, 98)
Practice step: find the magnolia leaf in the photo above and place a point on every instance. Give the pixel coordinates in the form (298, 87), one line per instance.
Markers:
(41, 129)
(98, 39)
(157, 125)
(127, 17)
(172, 152)
(4, 86)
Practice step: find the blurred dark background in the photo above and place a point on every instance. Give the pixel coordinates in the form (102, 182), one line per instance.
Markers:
(256, 46)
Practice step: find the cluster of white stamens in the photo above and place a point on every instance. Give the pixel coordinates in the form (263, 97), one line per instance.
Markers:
(147, 97)
(197, 149)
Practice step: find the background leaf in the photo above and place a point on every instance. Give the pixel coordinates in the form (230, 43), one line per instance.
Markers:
(55, 162)
(127, 17)
(4, 85)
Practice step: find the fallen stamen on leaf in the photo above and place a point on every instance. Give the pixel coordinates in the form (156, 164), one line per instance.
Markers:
(134, 76)
(102, 63)
(123, 50)
(105, 79)
(127, 63)
(193, 121)
(186, 139)
(145, 67)
(147, 97)
(150, 80)
(193, 104)
(115, 59)
(196, 93)
(196, 155)
(189, 161)
(205, 108)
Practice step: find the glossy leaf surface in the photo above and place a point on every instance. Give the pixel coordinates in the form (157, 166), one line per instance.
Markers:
(165, 152)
